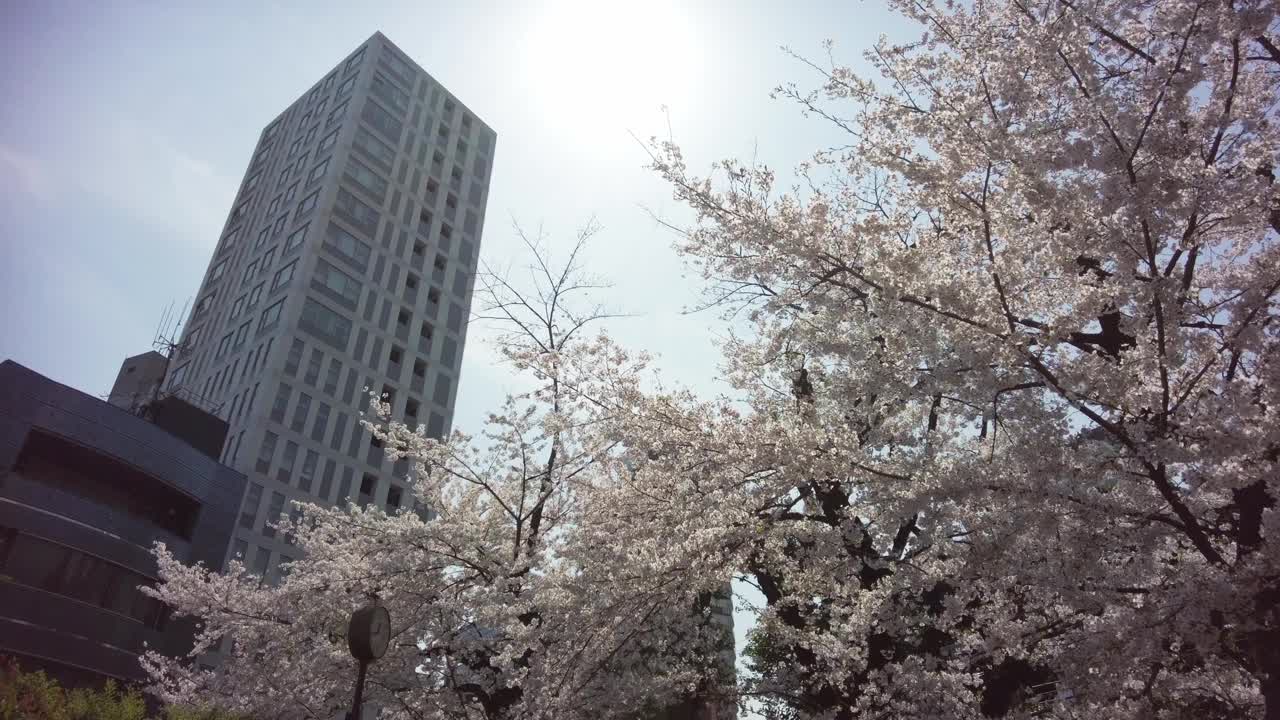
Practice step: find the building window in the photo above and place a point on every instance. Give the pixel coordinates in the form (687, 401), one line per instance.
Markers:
(398, 67)
(239, 550)
(273, 514)
(335, 115)
(336, 284)
(266, 452)
(327, 142)
(294, 240)
(270, 316)
(324, 324)
(326, 481)
(241, 210)
(293, 149)
(262, 557)
(249, 271)
(39, 563)
(455, 318)
(294, 358)
(283, 276)
(224, 345)
(242, 333)
(281, 404)
(308, 471)
(435, 426)
(255, 295)
(331, 377)
(321, 422)
(317, 172)
(308, 204)
(311, 134)
(394, 96)
(263, 237)
(394, 494)
(344, 488)
(449, 352)
(252, 498)
(203, 305)
(367, 180)
(281, 222)
(313, 368)
(339, 430)
(374, 148)
(192, 341)
(382, 121)
(347, 247)
(364, 217)
(287, 461)
(228, 241)
(354, 62)
(275, 205)
(441, 395)
(218, 268)
(289, 195)
(300, 412)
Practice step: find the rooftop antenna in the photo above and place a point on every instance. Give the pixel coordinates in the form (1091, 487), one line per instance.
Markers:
(166, 342)
(169, 331)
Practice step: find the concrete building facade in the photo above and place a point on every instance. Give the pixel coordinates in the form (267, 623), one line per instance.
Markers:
(85, 489)
(347, 262)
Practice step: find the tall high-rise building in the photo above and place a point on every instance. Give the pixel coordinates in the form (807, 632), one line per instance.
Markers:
(347, 262)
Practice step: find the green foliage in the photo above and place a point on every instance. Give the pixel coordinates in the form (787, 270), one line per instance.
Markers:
(36, 696)
(27, 696)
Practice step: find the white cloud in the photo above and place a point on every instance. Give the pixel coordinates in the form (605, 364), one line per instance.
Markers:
(24, 173)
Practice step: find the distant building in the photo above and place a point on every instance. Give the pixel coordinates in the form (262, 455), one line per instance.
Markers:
(347, 261)
(139, 380)
(86, 488)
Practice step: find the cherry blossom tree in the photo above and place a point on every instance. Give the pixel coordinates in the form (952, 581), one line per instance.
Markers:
(1002, 439)
(523, 596)
(1005, 436)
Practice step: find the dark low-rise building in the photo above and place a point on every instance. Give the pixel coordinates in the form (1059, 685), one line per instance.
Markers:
(86, 488)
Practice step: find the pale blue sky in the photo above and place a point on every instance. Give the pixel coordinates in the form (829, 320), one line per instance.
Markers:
(126, 127)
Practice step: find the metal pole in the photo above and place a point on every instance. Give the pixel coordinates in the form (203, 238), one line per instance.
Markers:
(359, 699)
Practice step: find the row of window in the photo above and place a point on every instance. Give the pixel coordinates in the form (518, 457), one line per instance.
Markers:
(56, 568)
(314, 476)
(261, 562)
(282, 277)
(217, 383)
(262, 264)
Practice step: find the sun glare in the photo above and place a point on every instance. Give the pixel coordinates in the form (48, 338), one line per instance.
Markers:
(610, 63)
